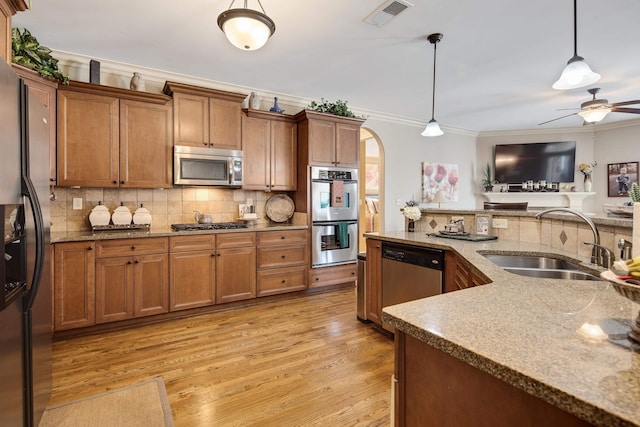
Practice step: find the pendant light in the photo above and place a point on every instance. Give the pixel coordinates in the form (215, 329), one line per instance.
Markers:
(577, 73)
(433, 129)
(246, 29)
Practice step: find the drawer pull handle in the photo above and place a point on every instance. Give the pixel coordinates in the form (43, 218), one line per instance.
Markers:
(133, 248)
(317, 278)
(136, 262)
(90, 248)
(284, 281)
(282, 237)
(128, 262)
(283, 256)
(353, 273)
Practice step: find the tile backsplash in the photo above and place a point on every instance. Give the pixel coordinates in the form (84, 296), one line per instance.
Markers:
(167, 206)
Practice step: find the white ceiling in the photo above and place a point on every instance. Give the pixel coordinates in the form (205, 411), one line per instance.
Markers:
(495, 65)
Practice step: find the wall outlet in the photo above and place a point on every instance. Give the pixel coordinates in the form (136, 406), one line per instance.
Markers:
(499, 223)
(77, 203)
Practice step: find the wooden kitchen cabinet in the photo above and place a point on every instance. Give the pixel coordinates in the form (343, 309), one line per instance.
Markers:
(235, 267)
(373, 282)
(459, 274)
(45, 90)
(204, 117)
(270, 145)
(283, 257)
(111, 137)
(8, 8)
(192, 264)
(74, 285)
(131, 280)
(329, 140)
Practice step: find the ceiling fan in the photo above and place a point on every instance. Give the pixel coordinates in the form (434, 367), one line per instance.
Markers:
(595, 110)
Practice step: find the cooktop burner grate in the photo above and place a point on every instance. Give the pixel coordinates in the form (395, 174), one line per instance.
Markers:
(212, 226)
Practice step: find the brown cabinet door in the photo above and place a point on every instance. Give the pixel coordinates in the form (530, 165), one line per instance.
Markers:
(373, 281)
(114, 289)
(284, 157)
(46, 91)
(224, 124)
(88, 140)
(192, 279)
(322, 143)
(74, 285)
(191, 119)
(151, 285)
(235, 274)
(347, 145)
(145, 145)
(257, 161)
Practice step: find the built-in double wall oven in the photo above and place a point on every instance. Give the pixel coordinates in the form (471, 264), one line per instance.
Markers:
(334, 216)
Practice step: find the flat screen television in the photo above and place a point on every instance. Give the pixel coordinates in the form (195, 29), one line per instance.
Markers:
(549, 161)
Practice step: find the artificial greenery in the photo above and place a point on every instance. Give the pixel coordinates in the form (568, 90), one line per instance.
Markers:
(26, 51)
(635, 193)
(488, 181)
(338, 108)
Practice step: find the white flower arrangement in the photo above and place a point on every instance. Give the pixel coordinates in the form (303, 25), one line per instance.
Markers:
(412, 213)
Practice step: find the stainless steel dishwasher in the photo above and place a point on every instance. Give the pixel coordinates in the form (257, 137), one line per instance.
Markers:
(409, 273)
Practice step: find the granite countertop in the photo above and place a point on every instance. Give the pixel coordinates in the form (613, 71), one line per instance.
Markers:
(525, 331)
(83, 236)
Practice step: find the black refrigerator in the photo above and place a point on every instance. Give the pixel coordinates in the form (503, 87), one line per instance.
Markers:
(25, 303)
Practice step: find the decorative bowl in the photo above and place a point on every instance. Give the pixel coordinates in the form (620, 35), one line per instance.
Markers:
(630, 292)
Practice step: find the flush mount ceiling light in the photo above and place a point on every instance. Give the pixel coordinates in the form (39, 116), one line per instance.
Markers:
(577, 73)
(433, 129)
(246, 29)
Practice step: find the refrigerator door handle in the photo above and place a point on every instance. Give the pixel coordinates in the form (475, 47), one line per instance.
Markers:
(28, 190)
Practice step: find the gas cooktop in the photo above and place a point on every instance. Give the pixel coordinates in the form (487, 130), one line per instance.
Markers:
(211, 226)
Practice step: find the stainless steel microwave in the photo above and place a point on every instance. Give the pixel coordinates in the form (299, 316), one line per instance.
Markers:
(207, 166)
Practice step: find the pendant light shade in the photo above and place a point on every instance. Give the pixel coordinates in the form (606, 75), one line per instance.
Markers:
(594, 116)
(577, 73)
(245, 28)
(433, 128)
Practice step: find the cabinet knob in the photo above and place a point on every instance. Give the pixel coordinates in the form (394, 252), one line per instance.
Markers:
(282, 237)
(115, 182)
(317, 278)
(213, 254)
(121, 182)
(133, 248)
(283, 256)
(137, 262)
(353, 273)
(284, 281)
(90, 248)
(128, 262)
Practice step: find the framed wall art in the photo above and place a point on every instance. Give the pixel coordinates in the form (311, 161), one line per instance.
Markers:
(620, 176)
(439, 178)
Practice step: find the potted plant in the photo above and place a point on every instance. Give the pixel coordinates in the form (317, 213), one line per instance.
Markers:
(488, 181)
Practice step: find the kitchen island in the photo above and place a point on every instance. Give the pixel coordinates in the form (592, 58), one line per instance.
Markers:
(516, 349)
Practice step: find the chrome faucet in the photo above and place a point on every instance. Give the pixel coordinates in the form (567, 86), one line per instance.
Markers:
(598, 252)
(625, 249)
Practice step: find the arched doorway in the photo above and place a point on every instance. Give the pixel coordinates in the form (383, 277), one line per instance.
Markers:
(371, 189)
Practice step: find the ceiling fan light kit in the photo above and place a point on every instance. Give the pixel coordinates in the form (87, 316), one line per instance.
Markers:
(577, 73)
(246, 29)
(433, 128)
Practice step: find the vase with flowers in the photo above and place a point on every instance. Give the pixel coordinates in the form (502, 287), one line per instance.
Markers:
(587, 169)
(412, 212)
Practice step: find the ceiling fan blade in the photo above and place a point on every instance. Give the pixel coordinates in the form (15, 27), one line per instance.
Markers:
(626, 110)
(617, 104)
(558, 118)
(567, 109)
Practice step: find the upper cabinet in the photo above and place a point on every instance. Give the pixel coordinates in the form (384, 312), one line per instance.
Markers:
(270, 145)
(8, 8)
(45, 90)
(110, 137)
(205, 117)
(329, 140)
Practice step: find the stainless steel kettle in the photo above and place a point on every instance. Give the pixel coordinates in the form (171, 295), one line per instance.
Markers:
(202, 218)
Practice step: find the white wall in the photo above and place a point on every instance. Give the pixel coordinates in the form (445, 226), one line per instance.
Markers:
(405, 150)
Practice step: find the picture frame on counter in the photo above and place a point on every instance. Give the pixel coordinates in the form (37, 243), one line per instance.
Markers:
(620, 176)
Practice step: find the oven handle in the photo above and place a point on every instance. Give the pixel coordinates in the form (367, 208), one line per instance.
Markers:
(329, 223)
(329, 181)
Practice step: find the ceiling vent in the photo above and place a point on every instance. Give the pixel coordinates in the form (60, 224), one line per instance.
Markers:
(386, 12)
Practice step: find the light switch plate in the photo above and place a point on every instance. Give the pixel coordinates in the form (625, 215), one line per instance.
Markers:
(77, 203)
(499, 223)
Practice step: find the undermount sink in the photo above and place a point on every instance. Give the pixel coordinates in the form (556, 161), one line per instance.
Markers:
(517, 261)
(540, 266)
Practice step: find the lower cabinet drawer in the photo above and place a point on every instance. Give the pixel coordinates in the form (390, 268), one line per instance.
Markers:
(336, 275)
(282, 280)
(127, 247)
(282, 256)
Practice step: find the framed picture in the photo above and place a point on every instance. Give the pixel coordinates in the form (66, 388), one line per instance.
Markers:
(439, 182)
(620, 176)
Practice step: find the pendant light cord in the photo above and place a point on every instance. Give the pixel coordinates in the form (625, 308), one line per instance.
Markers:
(575, 28)
(433, 89)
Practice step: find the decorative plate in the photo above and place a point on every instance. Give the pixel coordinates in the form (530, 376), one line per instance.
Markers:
(279, 208)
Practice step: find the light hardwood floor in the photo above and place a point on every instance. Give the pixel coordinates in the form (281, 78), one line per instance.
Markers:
(302, 362)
